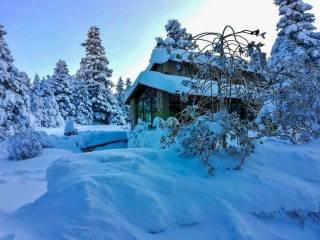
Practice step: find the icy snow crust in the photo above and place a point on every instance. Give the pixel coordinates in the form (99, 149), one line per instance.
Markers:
(153, 194)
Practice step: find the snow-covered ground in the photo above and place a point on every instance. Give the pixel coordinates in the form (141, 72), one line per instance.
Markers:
(23, 182)
(159, 194)
(83, 128)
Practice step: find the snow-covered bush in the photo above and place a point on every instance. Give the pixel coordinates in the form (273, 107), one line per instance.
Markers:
(202, 138)
(24, 145)
(172, 127)
(208, 135)
(160, 136)
(292, 107)
(44, 139)
(69, 128)
(135, 136)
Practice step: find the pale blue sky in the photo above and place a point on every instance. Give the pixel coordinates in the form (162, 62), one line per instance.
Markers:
(42, 31)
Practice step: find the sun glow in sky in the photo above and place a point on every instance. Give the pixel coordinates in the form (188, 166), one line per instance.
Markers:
(42, 31)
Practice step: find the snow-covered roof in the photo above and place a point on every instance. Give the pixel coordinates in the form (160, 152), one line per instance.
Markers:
(171, 83)
(167, 83)
(163, 55)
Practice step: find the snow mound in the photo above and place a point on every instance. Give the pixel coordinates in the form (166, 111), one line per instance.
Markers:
(83, 140)
(149, 194)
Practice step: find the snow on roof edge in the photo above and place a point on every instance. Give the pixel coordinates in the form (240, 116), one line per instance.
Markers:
(164, 82)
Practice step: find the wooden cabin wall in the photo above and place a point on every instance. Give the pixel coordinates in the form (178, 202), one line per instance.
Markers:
(133, 108)
(175, 68)
(186, 69)
(163, 104)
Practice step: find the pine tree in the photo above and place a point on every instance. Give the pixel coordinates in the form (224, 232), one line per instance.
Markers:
(296, 36)
(94, 71)
(61, 89)
(120, 90)
(128, 83)
(36, 80)
(25, 84)
(126, 108)
(177, 37)
(44, 105)
(82, 102)
(14, 115)
(292, 109)
(175, 31)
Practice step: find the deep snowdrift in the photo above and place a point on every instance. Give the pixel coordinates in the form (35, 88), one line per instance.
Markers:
(24, 181)
(150, 194)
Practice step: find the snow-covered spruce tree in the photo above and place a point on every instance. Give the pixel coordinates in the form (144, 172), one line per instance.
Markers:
(61, 89)
(36, 80)
(120, 90)
(118, 116)
(128, 83)
(14, 115)
(82, 102)
(44, 105)
(94, 71)
(25, 83)
(291, 106)
(177, 37)
(296, 36)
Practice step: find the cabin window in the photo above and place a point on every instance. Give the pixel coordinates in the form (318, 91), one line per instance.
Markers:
(155, 67)
(146, 106)
(174, 105)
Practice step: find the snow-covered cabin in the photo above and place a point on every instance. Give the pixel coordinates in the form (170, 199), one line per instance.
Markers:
(157, 91)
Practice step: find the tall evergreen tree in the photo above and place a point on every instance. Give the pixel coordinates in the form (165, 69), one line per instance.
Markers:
(36, 80)
(14, 115)
(25, 84)
(292, 108)
(296, 36)
(128, 83)
(82, 102)
(94, 71)
(44, 105)
(120, 90)
(177, 36)
(61, 89)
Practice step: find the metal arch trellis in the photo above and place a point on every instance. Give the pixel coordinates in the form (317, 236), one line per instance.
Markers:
(228, 51)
